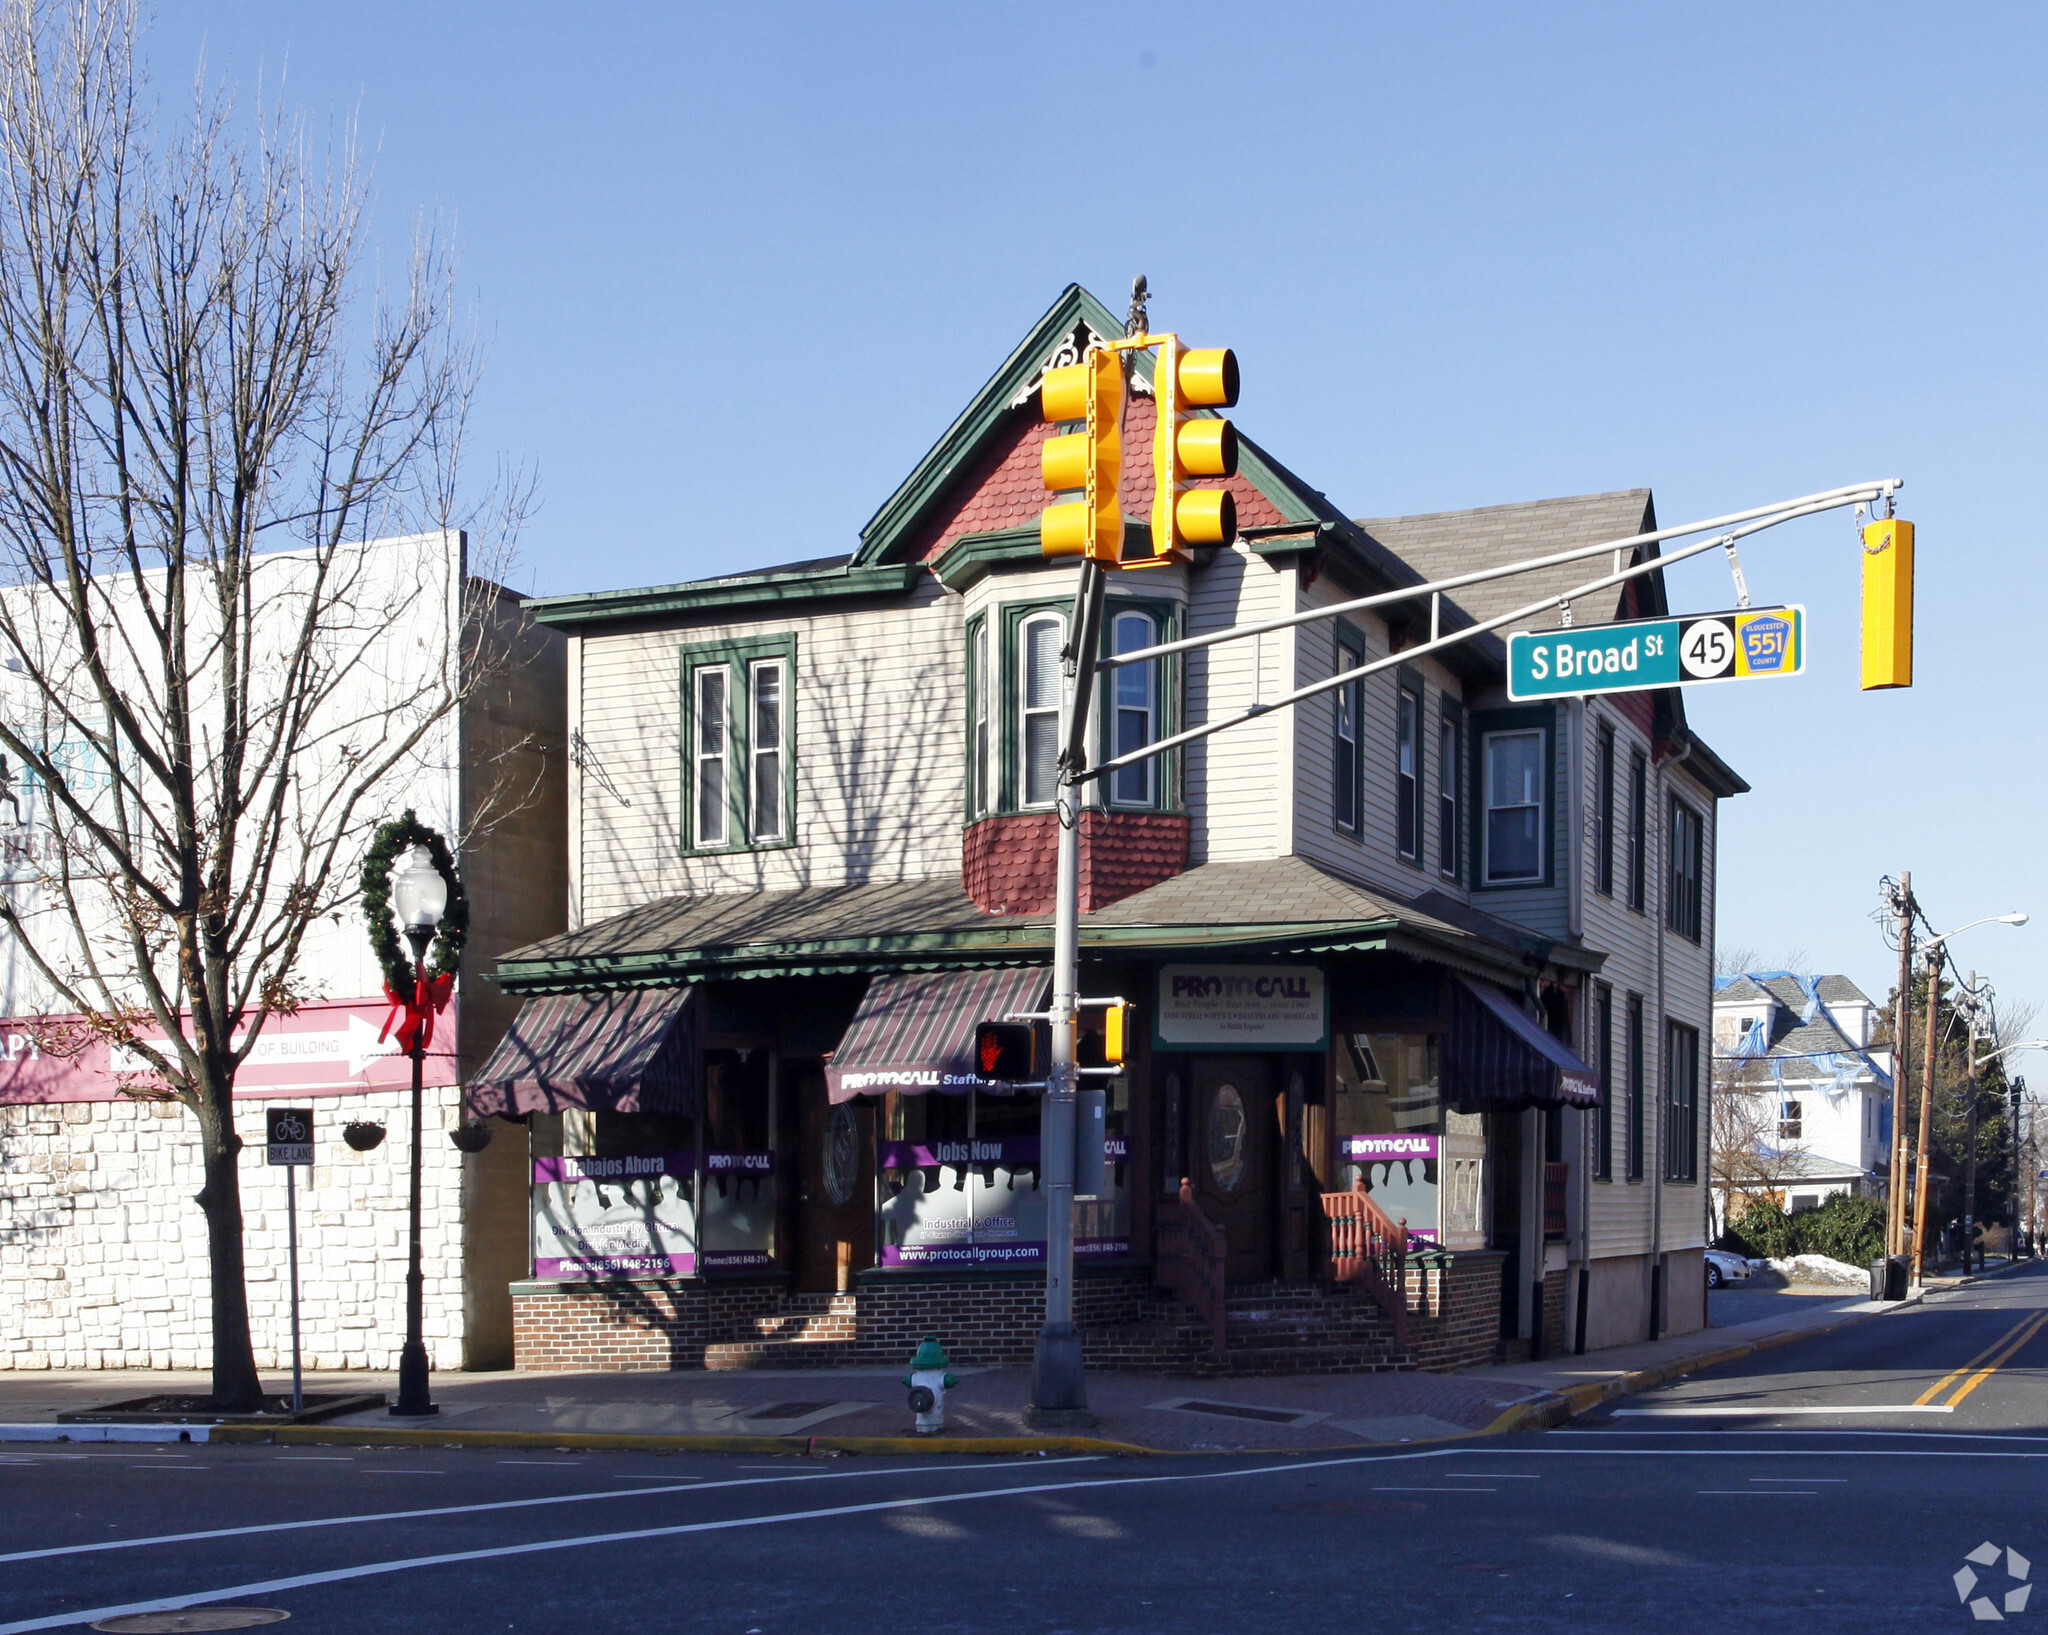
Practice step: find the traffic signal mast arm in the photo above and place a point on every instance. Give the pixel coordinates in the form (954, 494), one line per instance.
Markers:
(1726, 529)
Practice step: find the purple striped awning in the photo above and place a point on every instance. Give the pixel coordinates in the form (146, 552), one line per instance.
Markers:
(629, 1052)
(915, 1032)
(1496, 1057)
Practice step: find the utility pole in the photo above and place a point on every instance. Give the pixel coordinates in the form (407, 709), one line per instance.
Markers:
(1970, 1137)
(1902, 1034)
(1930, 1050)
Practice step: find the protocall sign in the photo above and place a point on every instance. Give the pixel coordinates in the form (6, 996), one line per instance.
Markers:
(1746, 644)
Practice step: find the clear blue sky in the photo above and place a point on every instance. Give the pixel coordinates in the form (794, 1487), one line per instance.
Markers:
(739, 266)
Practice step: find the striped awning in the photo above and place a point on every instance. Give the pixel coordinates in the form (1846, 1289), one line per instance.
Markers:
(1495, 1056)
(612, 1052)
(915, 1032)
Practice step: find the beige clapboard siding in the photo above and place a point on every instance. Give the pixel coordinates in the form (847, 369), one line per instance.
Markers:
(878, 756)
(1237, 778)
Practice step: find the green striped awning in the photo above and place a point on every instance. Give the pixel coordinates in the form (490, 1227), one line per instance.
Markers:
(915, 1032)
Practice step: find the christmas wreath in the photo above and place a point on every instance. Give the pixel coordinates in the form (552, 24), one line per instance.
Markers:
(419, 994)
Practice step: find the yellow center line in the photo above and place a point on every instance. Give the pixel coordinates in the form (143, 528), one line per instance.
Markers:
(1953, 1375)
(1998, 1361)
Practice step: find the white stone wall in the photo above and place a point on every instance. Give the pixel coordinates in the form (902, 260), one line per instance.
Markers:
(103, 1251)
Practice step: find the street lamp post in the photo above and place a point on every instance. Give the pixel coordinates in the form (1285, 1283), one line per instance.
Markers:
(421, 897)
(1931, 1050)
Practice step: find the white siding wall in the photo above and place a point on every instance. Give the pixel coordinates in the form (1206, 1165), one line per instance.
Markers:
(1238, 780)
(879, 765)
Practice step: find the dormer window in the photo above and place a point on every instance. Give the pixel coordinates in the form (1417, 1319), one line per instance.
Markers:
(739, 768)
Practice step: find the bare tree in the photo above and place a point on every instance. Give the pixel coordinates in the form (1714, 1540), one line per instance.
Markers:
(203, 417)
(1750, 1156)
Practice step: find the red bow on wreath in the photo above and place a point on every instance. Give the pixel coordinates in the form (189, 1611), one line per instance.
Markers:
(407, 1022)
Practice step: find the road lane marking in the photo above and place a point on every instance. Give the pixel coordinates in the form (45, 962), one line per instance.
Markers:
(551, 1464)
(1435, 1490)
(1802, 1479)
(1953, 1375)
(1997, 1362)
(685, 1484)
(1746, 1411)
(1751, 1493)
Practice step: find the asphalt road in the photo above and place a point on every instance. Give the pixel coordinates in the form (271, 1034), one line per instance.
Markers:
(1719, 1507)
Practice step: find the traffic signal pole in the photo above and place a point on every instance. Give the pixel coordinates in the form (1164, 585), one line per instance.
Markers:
(1059, 1391)
(1902, 1034)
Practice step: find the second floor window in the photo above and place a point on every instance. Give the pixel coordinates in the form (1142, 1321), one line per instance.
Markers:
(1408, 771)
(739, 744)
(1514, 772)
(1038, 696)
(979, 686)
(1450, 764)
(1637, 1134)
(1134, 713)
(1681, 1104)
(1603, 1134)
(1344, 764)
(1603, 867)
(1688, 867)
(1638, 829)
(1791, 1121)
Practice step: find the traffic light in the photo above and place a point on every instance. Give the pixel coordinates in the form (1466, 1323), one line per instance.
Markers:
(1090, 460)
(1187, 446)
(1116, 1027)
(1888, 604)
(1011, 1052)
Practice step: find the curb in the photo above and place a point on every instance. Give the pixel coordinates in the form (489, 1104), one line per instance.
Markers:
(409, 1436)
(1556, 1408)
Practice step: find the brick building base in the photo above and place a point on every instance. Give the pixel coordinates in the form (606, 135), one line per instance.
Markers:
(1454, 1308)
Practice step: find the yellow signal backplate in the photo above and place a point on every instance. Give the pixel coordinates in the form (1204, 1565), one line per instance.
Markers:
(1888, 604)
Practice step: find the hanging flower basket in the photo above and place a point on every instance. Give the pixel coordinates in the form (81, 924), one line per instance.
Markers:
(363, 1135)
(471, 1137)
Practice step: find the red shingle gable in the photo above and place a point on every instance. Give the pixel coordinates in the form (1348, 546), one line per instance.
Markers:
(1002, 488)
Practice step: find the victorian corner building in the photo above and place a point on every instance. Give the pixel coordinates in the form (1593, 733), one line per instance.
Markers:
(1407, 939)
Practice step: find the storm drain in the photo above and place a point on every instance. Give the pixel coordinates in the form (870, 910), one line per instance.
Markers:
(789, 1410)
(1242, 1410)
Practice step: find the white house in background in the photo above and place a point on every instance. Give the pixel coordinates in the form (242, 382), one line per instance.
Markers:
(1800, 1045)
(103, 1260)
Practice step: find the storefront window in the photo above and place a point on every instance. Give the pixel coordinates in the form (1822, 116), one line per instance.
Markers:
(1389, 1125)
(960, 1184)
(611, 1195)
(739, 1160)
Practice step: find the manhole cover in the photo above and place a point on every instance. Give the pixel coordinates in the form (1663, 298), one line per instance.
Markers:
(151, 1623)
(789, 1410)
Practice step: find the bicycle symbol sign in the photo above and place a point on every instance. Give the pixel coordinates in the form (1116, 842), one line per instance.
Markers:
(289, 1134)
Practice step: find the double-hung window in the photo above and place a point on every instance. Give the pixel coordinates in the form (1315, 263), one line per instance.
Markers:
(1038, 707)
(1450, 768)
(1345, 768)
(1408, 770)
(1134, 711)
(1603, 867)
(980, 687)
(738, 743)
(1681, 1104)
(1637, 1135)
(1688, 867)
(1515, 783)
(1638, 829)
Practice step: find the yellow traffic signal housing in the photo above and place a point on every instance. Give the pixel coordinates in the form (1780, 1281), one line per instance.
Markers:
(1116, 1029)
(1188, 446)
(1090, 460)
(1888, 604)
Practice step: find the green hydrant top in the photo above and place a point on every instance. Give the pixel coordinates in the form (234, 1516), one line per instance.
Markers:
(931, 1354)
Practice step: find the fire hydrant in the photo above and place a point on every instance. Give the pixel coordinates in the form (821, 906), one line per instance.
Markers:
(929, 1382)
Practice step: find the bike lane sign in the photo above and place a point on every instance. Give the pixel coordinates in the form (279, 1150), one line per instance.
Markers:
(288, 1132)
(1745, 644)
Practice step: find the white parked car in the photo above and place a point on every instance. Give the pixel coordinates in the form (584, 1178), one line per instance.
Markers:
(1723, 1268)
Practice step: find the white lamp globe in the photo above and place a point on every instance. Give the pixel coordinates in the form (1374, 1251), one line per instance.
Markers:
(419, 892)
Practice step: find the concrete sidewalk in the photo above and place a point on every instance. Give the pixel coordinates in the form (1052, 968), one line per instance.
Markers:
(853, 1410)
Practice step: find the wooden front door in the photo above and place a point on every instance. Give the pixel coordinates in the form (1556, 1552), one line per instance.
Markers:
(1235, 1145)
(835, 1210)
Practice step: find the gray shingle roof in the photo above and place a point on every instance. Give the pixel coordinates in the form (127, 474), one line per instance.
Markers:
(1443, 544)
(1837, 990)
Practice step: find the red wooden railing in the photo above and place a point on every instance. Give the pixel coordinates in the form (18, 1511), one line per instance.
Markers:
(1555, 1179)
(1188, 1258)
(1369, 1247)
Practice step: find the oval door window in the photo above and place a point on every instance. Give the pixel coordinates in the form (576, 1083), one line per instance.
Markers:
(1227, 1157)
(842, 1154)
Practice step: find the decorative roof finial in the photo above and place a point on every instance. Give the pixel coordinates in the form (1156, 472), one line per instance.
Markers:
(1134, 320)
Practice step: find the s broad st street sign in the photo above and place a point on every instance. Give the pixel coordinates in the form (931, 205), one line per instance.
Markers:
(1744, 645)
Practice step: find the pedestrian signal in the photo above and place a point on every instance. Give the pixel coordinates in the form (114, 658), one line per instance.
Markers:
(1116, 1032)
(1010, 1052)
(1888, 604)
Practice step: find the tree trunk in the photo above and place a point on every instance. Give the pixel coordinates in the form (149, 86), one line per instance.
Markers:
(236, 1385)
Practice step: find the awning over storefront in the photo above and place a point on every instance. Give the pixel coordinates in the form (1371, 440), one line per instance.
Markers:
(915, 1032)
(631, 1052)
(1495, 1057)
